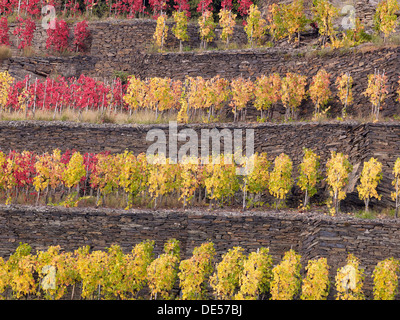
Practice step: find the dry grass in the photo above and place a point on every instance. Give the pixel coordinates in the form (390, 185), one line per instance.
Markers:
(147, 117)
(5, 52)
(377, 43)
(91, 116)
(28, 52)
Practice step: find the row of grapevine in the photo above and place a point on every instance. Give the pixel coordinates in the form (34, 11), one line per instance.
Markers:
(83, 93)
(190, 97)
(117, 8)
(58, 37)
(150, 179)
(254, 26)
(266, 91)
(55, 274)
(72, 8)
(282, 21)
(288, 21)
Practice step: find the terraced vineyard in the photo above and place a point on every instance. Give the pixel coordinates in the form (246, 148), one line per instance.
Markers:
(199, 150)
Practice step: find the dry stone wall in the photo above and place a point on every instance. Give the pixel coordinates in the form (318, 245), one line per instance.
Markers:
(311, 235)
(44, 67)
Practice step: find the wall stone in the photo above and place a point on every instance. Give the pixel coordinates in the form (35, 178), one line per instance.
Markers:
(311, 235)
(41, 68)
(119, 37)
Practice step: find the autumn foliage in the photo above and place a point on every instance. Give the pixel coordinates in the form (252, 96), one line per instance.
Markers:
(57, 39)
(4, 37)
(24, 32)
(319, 91)
(385, 19)
(81, 34)
(376, 92)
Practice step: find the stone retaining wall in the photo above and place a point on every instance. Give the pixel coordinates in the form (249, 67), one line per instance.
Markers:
(311, 235)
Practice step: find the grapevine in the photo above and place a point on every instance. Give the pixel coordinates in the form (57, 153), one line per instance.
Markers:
(227, 23)
(377, 92)
(195, 271)
(349, 280)
(180, 27)
(226, 279)
(338, 168)
(292, 93)
(286, 278)
(344, 84)
(161, 33)
(207, 27)
(370, 177)
(280, 179)
(319, 91)
(316, 284)
(395, 195)
(255, 26)
(163, 271)
(385, 19)
(308, 175)
(385, 277)
(256, 275)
